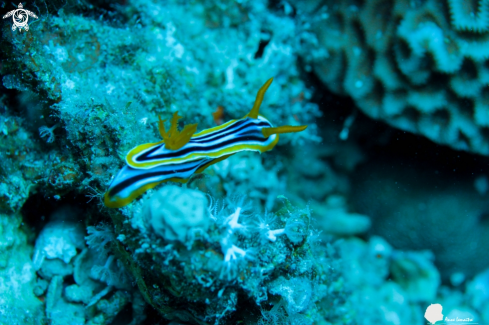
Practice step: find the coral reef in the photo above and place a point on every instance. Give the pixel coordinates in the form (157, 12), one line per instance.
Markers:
(81, 284)
(419, 66)
(379, 301)
(133, 79)
(89, 126)
(22, 162)
(258, 176)
(221, 253)
(89, 81)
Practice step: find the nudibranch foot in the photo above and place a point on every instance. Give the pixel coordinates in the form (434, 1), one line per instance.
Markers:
(131, 182)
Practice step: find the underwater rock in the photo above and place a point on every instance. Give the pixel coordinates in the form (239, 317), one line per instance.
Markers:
(336, 220)
(416, 274)
(102, 287)
(18, 302)
(137, 72)
(366, 271)
(246, 172)
(426, 210)
(58, 239)
(478, 291)
(243, 253)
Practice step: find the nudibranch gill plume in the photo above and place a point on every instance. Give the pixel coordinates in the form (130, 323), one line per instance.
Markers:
(182, 154)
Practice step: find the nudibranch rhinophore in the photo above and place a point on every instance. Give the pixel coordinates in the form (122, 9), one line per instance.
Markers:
(182, 154)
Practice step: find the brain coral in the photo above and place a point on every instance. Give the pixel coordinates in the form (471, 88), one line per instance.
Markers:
(421, 66)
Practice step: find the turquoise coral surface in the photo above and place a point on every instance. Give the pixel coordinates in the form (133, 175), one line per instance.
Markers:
(372, 214)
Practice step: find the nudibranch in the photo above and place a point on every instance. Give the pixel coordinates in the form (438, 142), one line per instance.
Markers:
(182, 154)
